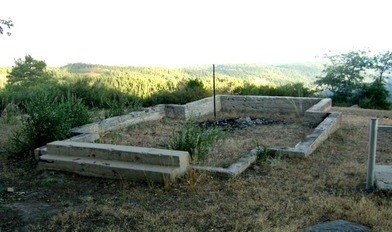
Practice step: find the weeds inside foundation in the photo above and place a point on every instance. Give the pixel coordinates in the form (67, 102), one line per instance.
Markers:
(214, 144)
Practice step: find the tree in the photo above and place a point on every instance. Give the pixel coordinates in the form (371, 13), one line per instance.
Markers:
(346, 74)
(8, 23)
(382, 65)
(28, 72)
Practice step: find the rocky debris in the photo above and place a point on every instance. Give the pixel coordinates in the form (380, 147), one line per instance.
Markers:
(337, 225)
(239, 123)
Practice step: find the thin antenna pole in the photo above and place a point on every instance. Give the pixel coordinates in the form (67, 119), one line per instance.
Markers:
(213, 87)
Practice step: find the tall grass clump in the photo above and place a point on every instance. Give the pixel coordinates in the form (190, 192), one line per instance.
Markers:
(47, 118)
(195, 139)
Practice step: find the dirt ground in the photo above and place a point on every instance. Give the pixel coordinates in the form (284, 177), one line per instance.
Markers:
(288, 196)
(287, 131)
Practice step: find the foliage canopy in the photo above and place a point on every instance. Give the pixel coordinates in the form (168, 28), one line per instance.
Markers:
(28, 72)
(347, 77)
(6, 22)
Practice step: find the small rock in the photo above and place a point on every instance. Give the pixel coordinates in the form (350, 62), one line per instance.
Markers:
(337, 225)
(10, 189)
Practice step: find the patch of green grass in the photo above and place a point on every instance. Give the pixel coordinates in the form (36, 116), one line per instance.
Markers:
(195, 139)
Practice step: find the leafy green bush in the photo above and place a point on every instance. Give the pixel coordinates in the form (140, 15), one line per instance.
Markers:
(194, 139)
(374, 96)
(294, 90)
(48, 118)
(188, 91)
(97, 95)
(10, 112)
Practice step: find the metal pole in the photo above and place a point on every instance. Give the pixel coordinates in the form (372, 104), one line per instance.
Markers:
(213, 86)
(372, 153)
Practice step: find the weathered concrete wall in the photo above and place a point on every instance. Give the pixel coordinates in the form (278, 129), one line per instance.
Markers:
(318, 112)
(271, 104)
(175, 111)
(202, 107)
(113, 161)
(310, 143)
(123, 121)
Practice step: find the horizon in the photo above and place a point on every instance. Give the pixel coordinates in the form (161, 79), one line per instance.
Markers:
(177, 34)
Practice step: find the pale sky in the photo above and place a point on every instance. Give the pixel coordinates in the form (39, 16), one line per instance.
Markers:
(191, 32)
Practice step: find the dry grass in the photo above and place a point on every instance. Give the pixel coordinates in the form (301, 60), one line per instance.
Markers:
(295, 194)
(231, 147)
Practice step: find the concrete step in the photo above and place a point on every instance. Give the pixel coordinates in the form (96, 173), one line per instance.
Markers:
(131, 154)
(109, 168)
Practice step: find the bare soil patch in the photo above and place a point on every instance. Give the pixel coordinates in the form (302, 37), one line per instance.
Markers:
(265, 130)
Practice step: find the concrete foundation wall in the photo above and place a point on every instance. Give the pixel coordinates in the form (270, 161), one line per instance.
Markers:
(79, 154)
(267, 104)
(202, 107)
(317, 113)
(123, 121)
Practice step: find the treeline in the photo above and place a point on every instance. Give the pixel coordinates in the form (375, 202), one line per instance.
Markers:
(101, 86)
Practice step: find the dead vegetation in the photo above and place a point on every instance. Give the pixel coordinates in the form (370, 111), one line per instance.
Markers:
(290, 196)
(234, 144)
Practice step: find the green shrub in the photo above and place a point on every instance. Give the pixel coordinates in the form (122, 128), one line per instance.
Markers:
(188, 91)
(374, 96)
(120, 104)
(293, 90)
(194, 139)
(9, 113)
(97, 95)
(48, 118)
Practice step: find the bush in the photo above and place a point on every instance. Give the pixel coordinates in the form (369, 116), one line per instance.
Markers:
(374, 96)
(293, 90)
(97, 95)
(195, 140)
(189, 91)
(48, 118)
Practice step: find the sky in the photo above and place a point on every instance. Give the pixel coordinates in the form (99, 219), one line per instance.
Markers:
(191, 32)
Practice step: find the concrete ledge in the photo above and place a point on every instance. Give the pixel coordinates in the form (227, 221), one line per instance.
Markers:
(130, 154)
(271, 104)
(315, 139)
(317, 113)
(114, 123)
(109, 169)
(383, 177)
(233, 170)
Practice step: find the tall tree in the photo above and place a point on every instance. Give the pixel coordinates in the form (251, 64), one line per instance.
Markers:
(382, 65)
(346, 74)
(28, 72)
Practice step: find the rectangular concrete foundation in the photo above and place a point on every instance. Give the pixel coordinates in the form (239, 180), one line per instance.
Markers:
(80, 155)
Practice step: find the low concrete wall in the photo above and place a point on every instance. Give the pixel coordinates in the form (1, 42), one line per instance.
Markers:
(307, 146)
(202, 107)
(123, 121)
(270, 104)
(115, 161)
(317, 113)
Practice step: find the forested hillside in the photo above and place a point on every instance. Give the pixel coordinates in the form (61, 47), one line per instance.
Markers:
(264, 74)
(254, 73)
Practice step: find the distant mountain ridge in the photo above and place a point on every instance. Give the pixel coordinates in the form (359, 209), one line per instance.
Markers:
(268, 74)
